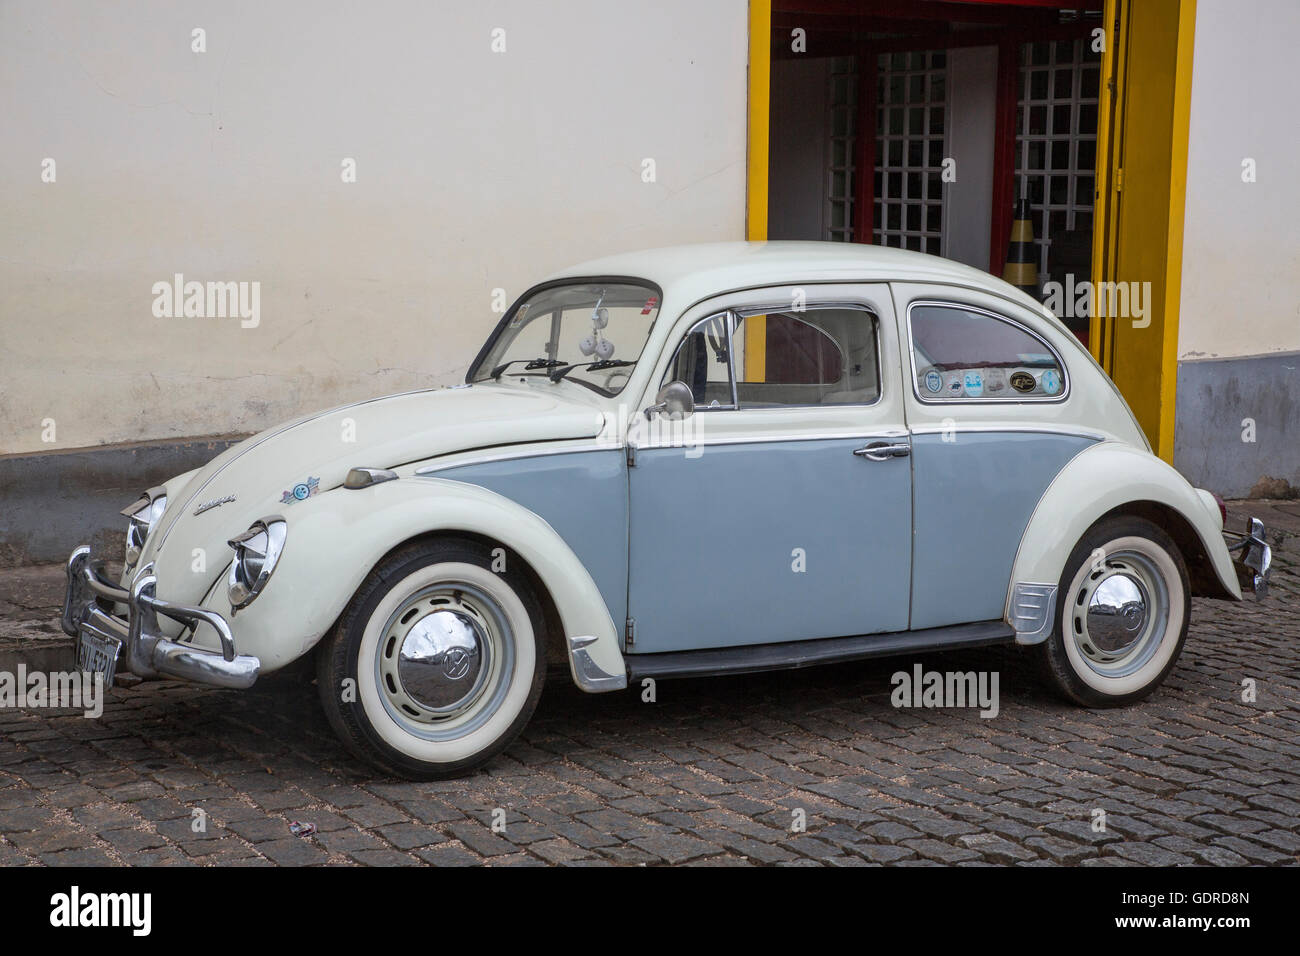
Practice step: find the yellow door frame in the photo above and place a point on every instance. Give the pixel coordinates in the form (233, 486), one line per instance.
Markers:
(760, 95)
(760, 99)
(1121, 349)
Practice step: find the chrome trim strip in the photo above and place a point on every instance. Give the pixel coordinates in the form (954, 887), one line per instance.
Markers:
(427, 470)
(587, 674)
(847, 435)
(893, 277)
(1033, 610)
(731, 356)
(1072, 431)
(1066, 377)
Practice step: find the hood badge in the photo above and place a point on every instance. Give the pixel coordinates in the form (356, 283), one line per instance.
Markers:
(214, 503)
(301, 491)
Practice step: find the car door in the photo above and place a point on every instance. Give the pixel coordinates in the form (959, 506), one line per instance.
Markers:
(779, 510)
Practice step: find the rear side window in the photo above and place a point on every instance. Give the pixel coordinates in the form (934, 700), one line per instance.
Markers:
(963, 354)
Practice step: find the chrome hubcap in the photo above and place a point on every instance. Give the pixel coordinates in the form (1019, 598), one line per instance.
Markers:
(445, 660)
(1117, 613)
(1120, 613)
(440, 663)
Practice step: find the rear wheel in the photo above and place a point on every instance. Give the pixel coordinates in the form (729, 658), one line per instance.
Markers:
(437, 663)
(1123, 608)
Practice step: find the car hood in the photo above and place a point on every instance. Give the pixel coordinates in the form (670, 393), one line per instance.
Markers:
(313, 454)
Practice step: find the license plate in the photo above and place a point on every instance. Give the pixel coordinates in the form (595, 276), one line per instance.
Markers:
(98, 654)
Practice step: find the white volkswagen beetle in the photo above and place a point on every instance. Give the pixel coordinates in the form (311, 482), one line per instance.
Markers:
(710, 459)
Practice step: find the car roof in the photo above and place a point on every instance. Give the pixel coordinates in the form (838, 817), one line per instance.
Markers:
(689, 273)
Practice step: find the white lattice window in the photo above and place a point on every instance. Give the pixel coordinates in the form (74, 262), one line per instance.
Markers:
(911, 129)
(843, 106)
(1056, 139)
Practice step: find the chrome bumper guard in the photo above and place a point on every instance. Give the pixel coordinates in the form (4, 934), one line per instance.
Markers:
(1251, 556)
(88, 606)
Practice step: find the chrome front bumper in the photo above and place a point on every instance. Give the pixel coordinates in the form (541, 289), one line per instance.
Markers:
(1251, 556)
(89, 604)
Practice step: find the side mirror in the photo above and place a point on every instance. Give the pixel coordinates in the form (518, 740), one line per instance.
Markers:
(673, 401)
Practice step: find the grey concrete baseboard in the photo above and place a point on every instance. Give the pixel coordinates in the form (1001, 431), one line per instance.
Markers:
(53, 501)
(1215, 399)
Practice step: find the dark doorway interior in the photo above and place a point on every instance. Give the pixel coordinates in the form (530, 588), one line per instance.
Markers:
(967, 107)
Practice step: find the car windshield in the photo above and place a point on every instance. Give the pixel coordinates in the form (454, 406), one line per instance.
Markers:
(589, 332)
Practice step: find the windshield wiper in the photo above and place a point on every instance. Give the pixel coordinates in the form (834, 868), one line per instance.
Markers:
(532, 364)
(559, 373)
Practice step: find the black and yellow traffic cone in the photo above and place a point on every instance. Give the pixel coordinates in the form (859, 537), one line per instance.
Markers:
(1022, 252)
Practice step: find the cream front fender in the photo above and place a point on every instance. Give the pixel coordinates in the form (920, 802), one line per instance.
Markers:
(334, 539)
(1098, 480)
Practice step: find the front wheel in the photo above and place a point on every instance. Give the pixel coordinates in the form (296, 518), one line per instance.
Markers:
(1123, 608)
(437, 663)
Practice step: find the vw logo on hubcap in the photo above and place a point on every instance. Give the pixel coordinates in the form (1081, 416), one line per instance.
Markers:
(456, 663)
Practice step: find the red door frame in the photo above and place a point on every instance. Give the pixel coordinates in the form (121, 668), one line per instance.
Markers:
(1004, 153)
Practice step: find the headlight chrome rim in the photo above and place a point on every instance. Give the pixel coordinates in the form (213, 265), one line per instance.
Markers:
(257, 551)
(142, 517)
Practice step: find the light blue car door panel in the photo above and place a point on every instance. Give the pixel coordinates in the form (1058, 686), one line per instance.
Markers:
(752, 543)
(583, 496)
(770, 528)
(974, 495)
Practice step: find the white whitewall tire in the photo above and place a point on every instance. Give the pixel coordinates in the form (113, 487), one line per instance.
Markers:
(437, 663)
(1123, 608)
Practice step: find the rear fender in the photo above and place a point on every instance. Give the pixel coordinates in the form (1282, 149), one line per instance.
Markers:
(1107, 477)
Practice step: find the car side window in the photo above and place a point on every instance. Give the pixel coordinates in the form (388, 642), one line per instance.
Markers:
(816, 356)
(966, 354)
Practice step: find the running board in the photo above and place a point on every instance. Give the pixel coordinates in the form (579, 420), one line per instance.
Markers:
(753, 658)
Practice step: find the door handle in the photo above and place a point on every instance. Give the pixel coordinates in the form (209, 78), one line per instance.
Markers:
(883, 451)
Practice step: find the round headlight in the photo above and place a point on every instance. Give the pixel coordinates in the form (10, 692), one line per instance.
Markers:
(256, 552)
(141, 516)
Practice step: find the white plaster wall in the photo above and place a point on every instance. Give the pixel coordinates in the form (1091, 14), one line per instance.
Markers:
(1241, 241)
(476, 170)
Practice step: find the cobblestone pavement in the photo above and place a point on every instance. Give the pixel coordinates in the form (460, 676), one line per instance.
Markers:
(715, 772)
